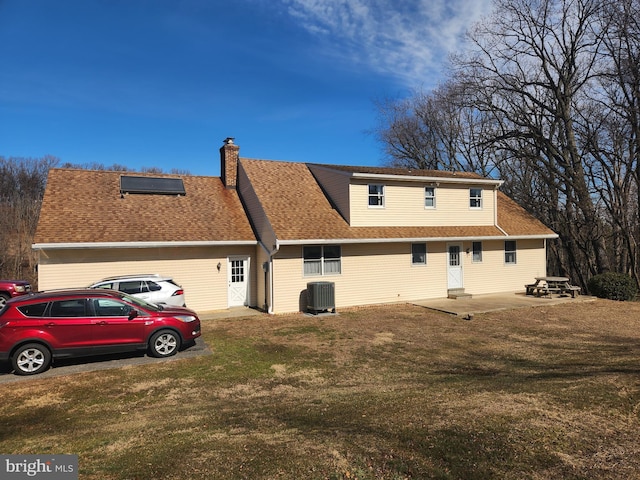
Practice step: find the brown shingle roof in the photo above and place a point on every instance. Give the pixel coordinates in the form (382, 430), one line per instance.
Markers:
(298, 209)
(84, 206)
(516, 221)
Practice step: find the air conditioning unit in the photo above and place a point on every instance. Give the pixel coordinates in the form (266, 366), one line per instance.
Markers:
(321, 297)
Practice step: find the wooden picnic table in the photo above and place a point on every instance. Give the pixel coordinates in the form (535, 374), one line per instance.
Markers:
(549, 285)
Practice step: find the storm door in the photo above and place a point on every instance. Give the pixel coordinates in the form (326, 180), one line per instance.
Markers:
(238, 278)
(454, 266)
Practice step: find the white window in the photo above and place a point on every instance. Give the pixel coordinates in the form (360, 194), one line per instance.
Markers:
(429, 197)
(322, 260)
(376, 195)
(510, 252)
(477, 252)
(475, 198)
(418, 253)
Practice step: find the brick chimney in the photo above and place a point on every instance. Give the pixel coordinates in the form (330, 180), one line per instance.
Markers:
(229, 163)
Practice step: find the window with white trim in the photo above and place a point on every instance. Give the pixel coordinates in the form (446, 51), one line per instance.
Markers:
(477, 252)
(510, 253)
(475, 198)
(418, 254)
(376, 195)
(322, 260)
(429, 197)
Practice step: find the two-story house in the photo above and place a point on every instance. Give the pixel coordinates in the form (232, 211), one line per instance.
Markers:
(377, 234)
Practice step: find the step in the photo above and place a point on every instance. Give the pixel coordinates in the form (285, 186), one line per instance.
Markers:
(458, 293)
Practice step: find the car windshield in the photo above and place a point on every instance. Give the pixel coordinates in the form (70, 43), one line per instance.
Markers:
(141, 303)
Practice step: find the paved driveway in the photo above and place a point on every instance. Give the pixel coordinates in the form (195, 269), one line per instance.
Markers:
(104, 362)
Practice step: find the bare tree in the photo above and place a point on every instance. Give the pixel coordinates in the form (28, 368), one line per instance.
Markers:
(549, 97)
(533, 65)
(438, 130)
(614, 132)
(22, 184)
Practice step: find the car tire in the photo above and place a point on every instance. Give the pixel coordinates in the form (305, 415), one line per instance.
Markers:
(164, 343)
(3, 299)
(31, 359)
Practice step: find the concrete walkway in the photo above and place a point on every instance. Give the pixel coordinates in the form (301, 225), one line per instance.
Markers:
(488, 303)
(234, 312)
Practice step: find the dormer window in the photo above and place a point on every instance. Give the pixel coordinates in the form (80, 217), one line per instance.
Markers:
(429, 197)
(475, 198)
(376, 195)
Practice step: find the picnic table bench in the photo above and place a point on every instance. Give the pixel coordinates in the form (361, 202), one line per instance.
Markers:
(549, 285)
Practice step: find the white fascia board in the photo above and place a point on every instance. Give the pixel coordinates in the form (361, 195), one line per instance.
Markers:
(85, 245)
(410, 178)
(343, 241)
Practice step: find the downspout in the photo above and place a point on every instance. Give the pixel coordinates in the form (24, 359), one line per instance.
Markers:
(268, 284)
(272, 254)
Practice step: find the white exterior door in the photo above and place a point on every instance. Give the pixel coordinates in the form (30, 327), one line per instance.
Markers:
(454, 266)
(238, 278)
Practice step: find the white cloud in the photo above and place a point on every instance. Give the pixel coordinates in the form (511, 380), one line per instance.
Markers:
(409, 39)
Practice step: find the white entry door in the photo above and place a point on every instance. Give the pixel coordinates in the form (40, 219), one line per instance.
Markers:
(238, 278)
(454, 266)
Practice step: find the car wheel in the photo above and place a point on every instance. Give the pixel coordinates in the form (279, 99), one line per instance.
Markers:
(30, 359)
(3, 299)
(164, 343)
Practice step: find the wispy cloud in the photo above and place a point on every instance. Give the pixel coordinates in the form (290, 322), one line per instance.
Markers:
(408, 39)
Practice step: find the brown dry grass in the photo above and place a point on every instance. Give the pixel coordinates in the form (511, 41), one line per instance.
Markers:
(386, 392)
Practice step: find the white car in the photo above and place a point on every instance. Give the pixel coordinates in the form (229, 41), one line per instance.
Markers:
(151, 288)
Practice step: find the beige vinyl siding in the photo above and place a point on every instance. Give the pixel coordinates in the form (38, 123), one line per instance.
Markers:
(194, 268)
(371, 273)
(492, 275)
(404, 206)
(383, 273)
(336, 186)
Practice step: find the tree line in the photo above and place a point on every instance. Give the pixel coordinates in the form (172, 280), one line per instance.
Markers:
(546, 97)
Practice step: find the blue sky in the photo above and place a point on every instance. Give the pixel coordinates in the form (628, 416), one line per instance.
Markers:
(161, 83)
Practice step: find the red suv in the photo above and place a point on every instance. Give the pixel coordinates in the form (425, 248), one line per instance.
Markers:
(36, 328)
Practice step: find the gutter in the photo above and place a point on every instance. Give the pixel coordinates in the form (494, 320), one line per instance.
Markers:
(84, 245)
(450, 178)
(269, 273)
(414, 178)
(333, 241)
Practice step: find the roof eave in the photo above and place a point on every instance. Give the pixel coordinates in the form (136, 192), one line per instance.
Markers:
(317, 241)
(417, 178)
(87, 245)
(411, 178)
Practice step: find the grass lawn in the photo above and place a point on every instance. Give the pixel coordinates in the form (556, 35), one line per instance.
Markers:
(388, 392)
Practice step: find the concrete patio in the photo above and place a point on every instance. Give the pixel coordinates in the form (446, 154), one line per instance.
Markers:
(465, 306)
(462, 306)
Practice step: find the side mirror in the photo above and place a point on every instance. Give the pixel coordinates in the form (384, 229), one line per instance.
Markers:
(133, 314)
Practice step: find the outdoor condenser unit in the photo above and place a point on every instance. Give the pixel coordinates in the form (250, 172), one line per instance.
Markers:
(321, 296)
